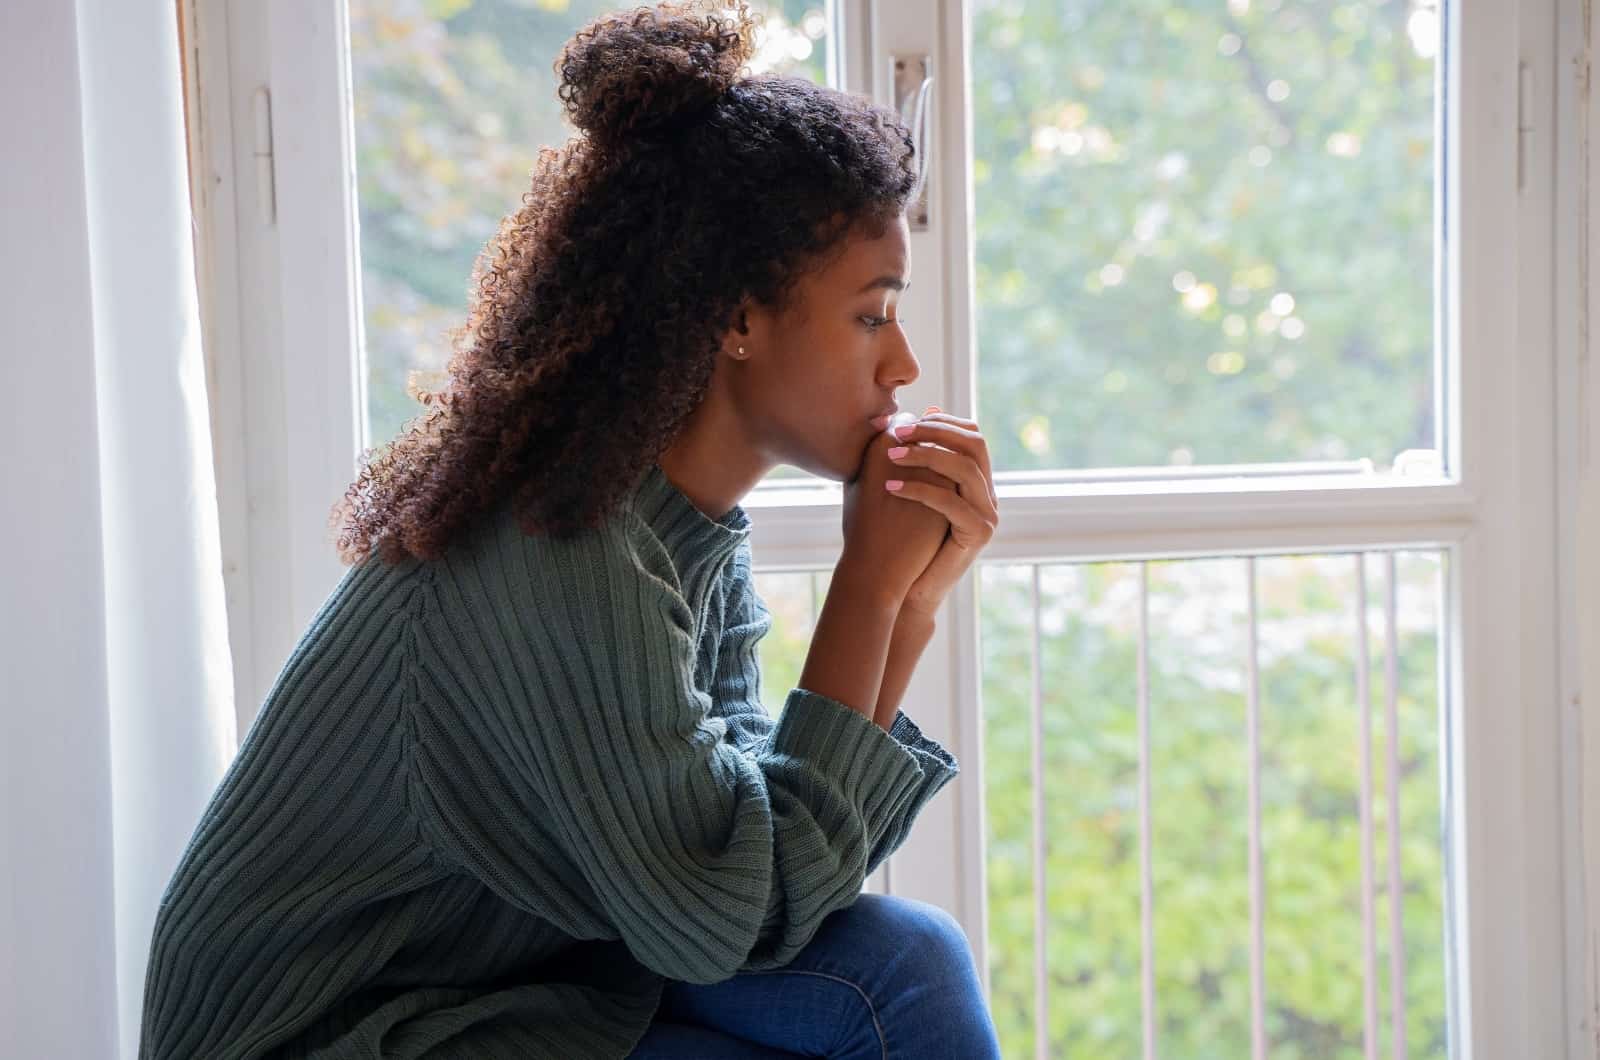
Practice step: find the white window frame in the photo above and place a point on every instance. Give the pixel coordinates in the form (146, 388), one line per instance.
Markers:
(280, 295)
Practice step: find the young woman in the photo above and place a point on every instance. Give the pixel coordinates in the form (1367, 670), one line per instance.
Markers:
(514, 794)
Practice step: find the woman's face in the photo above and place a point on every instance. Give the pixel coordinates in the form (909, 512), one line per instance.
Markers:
(817, 379)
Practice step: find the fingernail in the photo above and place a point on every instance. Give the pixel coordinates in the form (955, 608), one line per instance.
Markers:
(898, 451)
(933, 408)
(901, 431)
(893, 484)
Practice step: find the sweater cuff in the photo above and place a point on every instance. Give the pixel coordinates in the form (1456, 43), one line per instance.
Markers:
(929, 752)
(875, 771)
(939, 766)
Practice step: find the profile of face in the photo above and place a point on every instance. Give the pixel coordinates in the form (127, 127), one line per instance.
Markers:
(817, 378)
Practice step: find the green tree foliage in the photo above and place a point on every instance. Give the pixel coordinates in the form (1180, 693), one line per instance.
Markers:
(1204, 230)
(1198, 768)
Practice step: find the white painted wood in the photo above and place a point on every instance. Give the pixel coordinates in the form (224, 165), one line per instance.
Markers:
(1391, 744)
(1578, 395)
(1041, 908)
(1147, 931)
(1258, 946)
(220, 260)
(281, 310)
(1139, 520)
(318, 283)
(1506, 860)
(1369, 923)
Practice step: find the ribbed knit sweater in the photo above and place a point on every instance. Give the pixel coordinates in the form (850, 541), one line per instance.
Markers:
(492, 801)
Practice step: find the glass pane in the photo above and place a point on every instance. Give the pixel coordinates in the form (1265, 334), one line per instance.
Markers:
(794, 599)
(452, 100)
(1314, 960)
(1205, 230)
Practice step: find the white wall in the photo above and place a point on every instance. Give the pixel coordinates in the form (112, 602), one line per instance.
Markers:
(116, 717)
(57, 928)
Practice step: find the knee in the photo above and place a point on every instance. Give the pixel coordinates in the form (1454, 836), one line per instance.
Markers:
(929, 938)
(930, 998)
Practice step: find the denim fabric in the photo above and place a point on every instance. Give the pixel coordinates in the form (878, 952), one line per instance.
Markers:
(886, 978)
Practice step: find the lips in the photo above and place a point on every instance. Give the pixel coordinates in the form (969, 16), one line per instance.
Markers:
(880, 421)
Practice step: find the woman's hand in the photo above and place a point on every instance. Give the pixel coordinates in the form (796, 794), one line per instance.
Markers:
(888, 543)
(953, 447)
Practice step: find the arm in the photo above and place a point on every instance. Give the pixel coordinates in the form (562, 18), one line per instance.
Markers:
(565, 757)
(912, 631)
(850, 645)
(735, 688)
(736, 692)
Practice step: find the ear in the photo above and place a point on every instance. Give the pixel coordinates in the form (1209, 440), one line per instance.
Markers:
(737, 342)
(736, 335)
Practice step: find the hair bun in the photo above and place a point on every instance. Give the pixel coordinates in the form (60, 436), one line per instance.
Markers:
(641, 71)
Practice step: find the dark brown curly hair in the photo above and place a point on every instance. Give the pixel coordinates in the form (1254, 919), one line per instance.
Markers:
(599, 305)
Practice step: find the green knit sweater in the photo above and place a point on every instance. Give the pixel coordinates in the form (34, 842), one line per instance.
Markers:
(492, 800)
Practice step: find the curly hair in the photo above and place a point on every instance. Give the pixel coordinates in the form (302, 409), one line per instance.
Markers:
(599, 305)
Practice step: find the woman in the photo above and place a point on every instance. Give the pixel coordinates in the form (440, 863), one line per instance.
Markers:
(514, 793)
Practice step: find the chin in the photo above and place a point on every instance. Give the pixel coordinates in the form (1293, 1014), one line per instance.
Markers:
(828, 472)
(835, 457)
(830, 466)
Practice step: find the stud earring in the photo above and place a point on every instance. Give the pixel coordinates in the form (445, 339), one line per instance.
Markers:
(741, 351)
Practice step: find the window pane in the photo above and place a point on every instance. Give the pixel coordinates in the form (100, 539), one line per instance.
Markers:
(1314, 959)
(794, 599)
(1205, 230)
(452, 100)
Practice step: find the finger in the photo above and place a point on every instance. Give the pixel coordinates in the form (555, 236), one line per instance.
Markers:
(949, 564)
(936, 413)
(958, 467)
(949, 417)
(953, 436)
(968, 527)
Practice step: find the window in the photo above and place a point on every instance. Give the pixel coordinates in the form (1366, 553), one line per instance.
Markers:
(1253, 300)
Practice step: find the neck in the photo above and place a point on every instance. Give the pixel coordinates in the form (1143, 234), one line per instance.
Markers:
(712, 461)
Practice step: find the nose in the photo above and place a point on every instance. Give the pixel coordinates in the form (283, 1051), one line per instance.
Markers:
(899, 366)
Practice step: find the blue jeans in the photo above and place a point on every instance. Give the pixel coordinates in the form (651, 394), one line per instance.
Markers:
(884, 977)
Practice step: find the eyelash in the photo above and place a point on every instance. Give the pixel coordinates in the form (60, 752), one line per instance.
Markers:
(874, 323)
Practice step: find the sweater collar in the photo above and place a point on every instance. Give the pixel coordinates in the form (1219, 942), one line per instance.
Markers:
(697, 543)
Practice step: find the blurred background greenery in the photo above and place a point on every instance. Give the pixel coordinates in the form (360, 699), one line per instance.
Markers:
(1310, 776)
(1205, 234)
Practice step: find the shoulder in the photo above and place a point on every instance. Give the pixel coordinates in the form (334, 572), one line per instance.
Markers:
(498, 563)
(517, 618)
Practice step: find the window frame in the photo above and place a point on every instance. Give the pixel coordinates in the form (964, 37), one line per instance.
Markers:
(277, 244)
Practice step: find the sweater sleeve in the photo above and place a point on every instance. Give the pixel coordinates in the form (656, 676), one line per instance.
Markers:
(736, 680)
(736, 697)
(566, 758)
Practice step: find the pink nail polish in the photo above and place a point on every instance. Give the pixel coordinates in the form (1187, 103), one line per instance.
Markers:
(898, 451)
(901, 431)
(893, 484)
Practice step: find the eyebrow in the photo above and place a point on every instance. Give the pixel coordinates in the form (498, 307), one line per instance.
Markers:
(894, 283)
